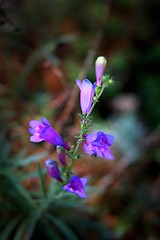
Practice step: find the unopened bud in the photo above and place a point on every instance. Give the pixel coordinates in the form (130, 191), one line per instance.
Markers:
(61, 155)
(100, 65)
(52, 169)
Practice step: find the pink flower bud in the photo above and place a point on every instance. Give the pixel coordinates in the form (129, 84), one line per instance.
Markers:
(100, 65)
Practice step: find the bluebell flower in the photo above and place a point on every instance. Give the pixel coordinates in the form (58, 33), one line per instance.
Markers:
(86, 94)
(42, 131)
(76, 185)
(98, 144)
(52, 169)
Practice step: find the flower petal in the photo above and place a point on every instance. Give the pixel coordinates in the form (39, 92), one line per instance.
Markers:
(110, 139)
(86, 95)
(84, 181)
(36, 138)
(34, 123)
(88, 148)
(81, 194)
(79, 83)
(31, 130)
(107, 154)
(45, 122)
(66, 188)
(51, 136)
(91, 137)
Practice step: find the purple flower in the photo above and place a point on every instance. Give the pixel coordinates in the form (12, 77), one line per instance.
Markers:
(61, 155)
(42, 131)
(76, 185)
(86, 94)
(100, 65)
(53, 170)
(97, 144)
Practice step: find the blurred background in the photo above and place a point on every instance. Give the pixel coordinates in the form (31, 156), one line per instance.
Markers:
(44, 47)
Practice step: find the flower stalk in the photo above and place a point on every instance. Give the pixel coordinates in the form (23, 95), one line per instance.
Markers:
(94, 144)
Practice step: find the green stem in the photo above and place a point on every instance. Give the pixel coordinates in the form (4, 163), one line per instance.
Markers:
(80, 136)
(81, 132)
(94, 103)
(83, 122)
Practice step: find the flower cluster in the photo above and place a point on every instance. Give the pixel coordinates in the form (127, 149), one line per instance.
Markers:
(94, 144)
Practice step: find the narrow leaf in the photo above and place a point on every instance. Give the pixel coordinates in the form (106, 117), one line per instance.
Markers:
(30, 159)
(67, 232)
(9, 228)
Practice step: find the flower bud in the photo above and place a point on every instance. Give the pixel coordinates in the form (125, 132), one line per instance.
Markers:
(61, 155)
(52, 169)
(100, 65)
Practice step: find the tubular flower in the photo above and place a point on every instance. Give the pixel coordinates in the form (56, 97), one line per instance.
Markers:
(76, 185)
(61, 155)
(100, 65)
(52, 169)
(86, 94)
(42, 131)
(97, 144)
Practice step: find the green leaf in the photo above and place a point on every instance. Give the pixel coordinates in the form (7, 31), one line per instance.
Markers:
(5, 152)
(42, 182)
(25, 194)
(19, 235)
(68, 233)
(34, 174)
(30, 159)
(51, 231)
(9, 228)
(32, 221)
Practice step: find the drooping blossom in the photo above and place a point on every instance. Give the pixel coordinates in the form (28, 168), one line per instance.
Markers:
(76, 185)
(86, 94)
(98, 144)
(42, 131)
(100, 65)
(52, 169)
(61, 155)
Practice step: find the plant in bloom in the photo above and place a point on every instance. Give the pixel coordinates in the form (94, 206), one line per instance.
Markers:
(42, 131)
(53, 170)
(97, 144)
(100, 65)
(76, 185)
(86, 94)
